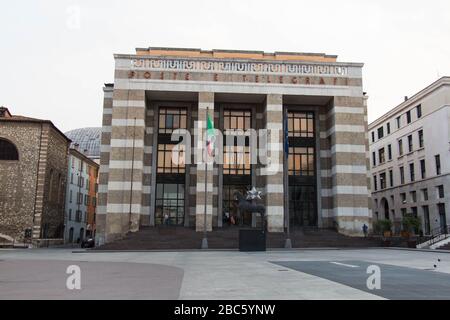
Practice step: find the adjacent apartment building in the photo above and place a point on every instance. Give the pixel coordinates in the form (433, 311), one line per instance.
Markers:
(81, 201)
(410, 159)
(33, 177)
(308, 101)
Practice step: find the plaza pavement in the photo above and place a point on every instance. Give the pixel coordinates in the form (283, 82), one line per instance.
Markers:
(295, 274)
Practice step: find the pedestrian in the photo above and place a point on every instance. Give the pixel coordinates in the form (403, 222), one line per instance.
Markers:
(166, 219)
(365, 230)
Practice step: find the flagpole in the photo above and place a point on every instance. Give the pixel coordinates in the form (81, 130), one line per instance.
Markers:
(288, 243)
(205, 232)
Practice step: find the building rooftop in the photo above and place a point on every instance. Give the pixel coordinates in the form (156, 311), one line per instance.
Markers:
(6, 115)
(86, 140)
(444, 81)
(235, 54)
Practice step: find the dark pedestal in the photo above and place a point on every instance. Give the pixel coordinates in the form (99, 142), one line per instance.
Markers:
(252, 240)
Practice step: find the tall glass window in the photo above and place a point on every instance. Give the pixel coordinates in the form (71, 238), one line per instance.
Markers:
(171, 169)
(301, 169)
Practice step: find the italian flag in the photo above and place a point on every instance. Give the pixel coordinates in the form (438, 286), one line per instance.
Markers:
(210, 135)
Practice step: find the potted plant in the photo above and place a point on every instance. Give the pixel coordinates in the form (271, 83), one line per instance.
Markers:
(411, 225)
(383, 227)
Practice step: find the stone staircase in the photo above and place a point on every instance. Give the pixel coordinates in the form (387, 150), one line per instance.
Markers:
(174, 238)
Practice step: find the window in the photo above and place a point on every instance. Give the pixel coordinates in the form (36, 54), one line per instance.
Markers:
(408, 116)
(80, 182)
(8, 151)
(425, 194)
(388, 128)
(398, 122)
(403, 212)
(375, 184)
(374, 159)
(241, 119)
(437, 159)
(402, 175)
(237, 158)
(169, 203)
(78, 216)
(86, 200)
(383, 180)
(301, 161)
(414, 211)
(70, 196)
(380, 133)
(381, 155)
(411, 172)
(373, 136)
(414, 196)
(391, 178)
(441, 191)
(165, 162)
(422, 169)
(400, 147)
(389, 152)
(71, 178)
(403, 197)
(300, 124)
(70, 214)
(419, 111)
(421, 138)
(410, 143)
(171, 119)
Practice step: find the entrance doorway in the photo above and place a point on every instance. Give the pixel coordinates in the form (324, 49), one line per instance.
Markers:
(385, 205)
(442, 218)
(237, 169)
(302, 171)
(171, 171)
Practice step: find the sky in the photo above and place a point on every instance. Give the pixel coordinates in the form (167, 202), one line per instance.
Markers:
(56, 55)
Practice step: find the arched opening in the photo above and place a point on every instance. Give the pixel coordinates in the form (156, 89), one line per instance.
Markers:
(8, 151)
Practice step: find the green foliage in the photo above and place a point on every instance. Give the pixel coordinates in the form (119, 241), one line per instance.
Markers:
(380, 226)
(411, 223)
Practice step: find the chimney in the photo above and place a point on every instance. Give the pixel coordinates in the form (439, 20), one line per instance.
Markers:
(406, 98)
(4, 112)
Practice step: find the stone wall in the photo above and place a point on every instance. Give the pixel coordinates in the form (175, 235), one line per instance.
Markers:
(25, 183)
(55, 186)
(18, 179)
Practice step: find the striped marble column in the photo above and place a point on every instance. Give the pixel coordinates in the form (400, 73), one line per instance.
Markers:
(347, 130)
(105, 148)
(274, 193)
(126, 163)
(205, 102)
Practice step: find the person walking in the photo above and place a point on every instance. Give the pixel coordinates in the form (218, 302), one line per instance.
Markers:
(365, 230)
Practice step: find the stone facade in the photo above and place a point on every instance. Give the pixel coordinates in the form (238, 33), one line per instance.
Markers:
(34, 185)
(421, 124)
(267, 84)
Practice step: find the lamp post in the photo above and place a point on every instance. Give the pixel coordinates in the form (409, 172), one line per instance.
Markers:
(205, 231)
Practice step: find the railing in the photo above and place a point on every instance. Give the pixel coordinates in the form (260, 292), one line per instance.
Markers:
(436, 235)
